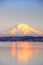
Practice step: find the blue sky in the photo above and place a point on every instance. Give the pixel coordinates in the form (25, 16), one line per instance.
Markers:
(13, 12)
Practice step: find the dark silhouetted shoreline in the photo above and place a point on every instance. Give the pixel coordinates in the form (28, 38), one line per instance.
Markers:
(22, 38)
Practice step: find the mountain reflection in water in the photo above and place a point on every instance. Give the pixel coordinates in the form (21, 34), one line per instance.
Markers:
(21, 53)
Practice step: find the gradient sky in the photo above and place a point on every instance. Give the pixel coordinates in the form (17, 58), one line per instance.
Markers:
(13, 12)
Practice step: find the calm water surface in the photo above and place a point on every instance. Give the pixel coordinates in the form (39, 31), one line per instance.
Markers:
(21, 53)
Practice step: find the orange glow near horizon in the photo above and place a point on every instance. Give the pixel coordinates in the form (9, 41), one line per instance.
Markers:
(13, 31)
(4, 33)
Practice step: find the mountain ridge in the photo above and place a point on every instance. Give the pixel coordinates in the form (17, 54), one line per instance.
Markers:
(22, 30)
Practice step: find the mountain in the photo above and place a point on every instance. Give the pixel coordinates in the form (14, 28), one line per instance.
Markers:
(22, 30)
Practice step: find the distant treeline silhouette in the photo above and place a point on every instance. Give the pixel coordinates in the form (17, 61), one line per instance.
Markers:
(22, 38)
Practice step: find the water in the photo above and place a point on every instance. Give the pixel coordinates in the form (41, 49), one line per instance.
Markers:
(21, 53)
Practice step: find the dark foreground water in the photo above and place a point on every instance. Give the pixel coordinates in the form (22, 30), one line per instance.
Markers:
(21, 53)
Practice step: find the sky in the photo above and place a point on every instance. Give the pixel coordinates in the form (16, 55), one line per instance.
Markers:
(13, 12)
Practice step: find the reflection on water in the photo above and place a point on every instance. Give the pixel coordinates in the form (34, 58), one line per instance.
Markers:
(24, 51)
(13, 50)
(21, 53)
